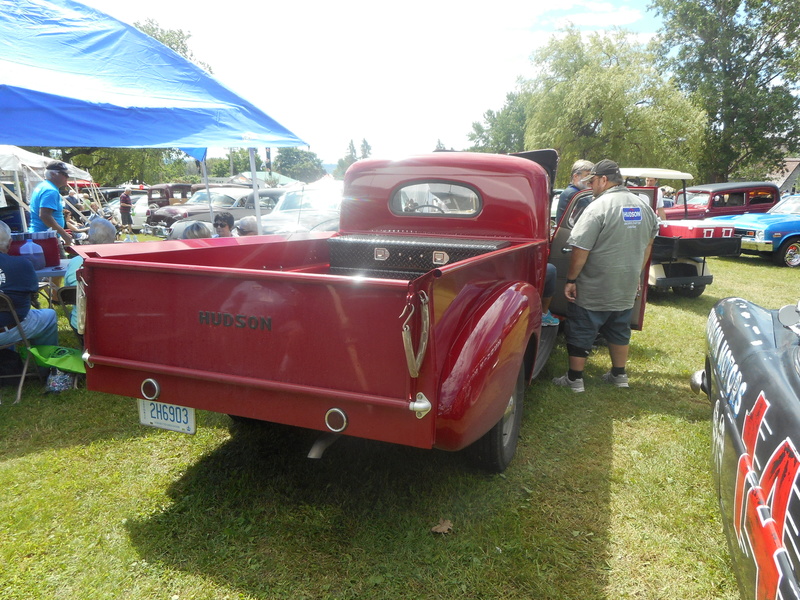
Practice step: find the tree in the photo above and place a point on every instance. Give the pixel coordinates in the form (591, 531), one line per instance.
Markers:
(601, 97)
(299, 164)
(502, 132)
(175, 39)
(110, 166)
(218, 167)
(344, 163)
(239, 160)
(366, 149)
(739, 61)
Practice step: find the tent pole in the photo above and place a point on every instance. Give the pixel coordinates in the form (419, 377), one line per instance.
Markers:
(208, 191)
(21, 204)
(254, 179)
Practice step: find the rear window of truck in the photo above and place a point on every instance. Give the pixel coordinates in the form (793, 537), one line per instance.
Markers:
(436, 199)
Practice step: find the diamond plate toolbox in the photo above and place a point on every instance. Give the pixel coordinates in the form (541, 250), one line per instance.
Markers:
(405, 253)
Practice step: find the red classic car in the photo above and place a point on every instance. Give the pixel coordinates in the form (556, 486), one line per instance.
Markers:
(720, 199)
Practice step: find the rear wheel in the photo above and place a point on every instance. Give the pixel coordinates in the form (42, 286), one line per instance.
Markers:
(497, 447)
(788, 255)
(689, 291)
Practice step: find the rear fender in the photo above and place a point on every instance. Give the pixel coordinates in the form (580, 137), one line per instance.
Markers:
(480, 371)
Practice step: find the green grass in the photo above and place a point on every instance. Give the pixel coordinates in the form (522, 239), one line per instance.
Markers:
(610, 495)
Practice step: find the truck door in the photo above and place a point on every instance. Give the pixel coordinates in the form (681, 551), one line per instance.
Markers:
(560, 254)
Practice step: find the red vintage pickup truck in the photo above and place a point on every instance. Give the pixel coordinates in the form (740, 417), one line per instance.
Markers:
(417, 323)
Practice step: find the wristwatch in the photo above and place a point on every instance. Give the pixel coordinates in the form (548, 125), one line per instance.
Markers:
(571, 280)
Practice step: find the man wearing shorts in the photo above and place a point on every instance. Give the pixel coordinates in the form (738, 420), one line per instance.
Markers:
(610, 246)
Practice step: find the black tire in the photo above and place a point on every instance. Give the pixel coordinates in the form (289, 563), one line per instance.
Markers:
(689, 292)
(788, 255)
(494, 451)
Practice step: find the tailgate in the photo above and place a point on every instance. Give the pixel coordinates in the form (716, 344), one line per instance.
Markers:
(278, 346)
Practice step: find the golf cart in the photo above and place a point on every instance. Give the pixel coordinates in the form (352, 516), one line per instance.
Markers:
(679, 253)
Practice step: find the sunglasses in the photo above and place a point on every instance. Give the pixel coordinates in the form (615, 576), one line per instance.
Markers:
(220, 224)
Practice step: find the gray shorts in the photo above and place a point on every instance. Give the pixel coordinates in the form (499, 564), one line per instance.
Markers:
(583, 326)
(126, 218)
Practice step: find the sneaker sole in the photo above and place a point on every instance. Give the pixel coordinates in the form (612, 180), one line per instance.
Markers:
(576, 390)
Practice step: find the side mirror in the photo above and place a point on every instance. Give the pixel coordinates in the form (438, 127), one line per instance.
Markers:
(789, 316)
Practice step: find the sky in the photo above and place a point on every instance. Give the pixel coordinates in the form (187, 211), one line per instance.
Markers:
(403, 76)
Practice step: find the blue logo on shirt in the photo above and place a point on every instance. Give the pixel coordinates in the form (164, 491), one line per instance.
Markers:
(631, 215)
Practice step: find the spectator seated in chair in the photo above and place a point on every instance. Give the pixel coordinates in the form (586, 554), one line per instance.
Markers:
(18, 281)
(77, 230)
(101, 231)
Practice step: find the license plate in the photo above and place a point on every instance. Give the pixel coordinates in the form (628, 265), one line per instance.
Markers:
(166, 416)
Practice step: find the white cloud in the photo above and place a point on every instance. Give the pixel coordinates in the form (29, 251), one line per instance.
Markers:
(402, 76)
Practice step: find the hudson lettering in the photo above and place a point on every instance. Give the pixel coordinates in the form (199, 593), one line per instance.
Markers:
(223, 319)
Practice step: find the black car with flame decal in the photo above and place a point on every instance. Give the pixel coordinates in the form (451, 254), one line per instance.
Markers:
(752, 378)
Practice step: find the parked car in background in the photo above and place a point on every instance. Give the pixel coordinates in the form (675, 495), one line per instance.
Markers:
(775, 233)
(236, 200)
(164, 194)
(719, 199)
(107, 194)
(752, 380)
(312, 207)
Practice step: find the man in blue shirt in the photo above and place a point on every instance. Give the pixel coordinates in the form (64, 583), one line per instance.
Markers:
(47, 207)
(18, 281)
(580, 169)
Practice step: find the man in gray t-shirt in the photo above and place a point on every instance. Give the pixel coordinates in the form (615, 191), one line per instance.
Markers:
(611, 243)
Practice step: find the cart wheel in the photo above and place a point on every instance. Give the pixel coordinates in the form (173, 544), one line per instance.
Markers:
(788, 255)
(494, 451)
(689, 291)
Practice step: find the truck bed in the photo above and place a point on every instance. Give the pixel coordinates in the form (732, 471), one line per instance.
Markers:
(275, 331)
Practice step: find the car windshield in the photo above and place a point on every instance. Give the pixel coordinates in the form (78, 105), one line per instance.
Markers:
(694, 198)
(788, 206)
(217, 199)
(323, 198)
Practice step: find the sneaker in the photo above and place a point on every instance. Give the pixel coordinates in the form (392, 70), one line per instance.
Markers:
(548, 320)
(564, 381)
(621, 381)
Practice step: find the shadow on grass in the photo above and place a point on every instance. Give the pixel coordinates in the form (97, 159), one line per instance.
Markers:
(700, 306)
(258, 516)
(255, 515)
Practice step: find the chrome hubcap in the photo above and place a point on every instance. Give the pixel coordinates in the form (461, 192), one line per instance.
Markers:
(792, 258)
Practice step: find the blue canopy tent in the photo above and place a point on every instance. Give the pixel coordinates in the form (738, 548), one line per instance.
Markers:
(73, 76)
